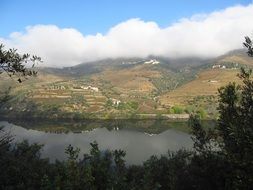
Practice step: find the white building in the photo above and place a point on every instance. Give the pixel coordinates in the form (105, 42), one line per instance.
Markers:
(89, 88)
(115, 102)
(152, 62)
(216, 66)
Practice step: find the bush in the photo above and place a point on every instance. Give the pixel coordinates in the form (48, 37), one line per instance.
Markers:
(176, 110)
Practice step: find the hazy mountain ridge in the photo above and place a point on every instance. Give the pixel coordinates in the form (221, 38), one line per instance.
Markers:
(97, 66)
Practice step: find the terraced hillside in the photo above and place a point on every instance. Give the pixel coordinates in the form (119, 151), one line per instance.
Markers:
(123, 88)
(201, 93)
(206, 83)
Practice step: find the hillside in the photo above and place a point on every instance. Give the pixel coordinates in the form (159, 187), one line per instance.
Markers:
(123, 87)
(201, 93)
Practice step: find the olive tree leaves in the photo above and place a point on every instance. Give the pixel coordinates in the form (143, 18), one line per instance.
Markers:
(15, 64)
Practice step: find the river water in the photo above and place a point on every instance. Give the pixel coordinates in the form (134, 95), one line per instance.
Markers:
(139, 146)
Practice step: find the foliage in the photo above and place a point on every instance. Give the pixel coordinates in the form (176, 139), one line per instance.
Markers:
(13, 63)
(236, 129)
(176, 110)
(21, 166)
(248, 45)
(230, 143)
(201, 138)
(133, 104)
(5, 140)
(202, 113)
(5, 96)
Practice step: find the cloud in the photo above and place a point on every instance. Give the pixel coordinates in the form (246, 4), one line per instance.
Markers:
(205, 35)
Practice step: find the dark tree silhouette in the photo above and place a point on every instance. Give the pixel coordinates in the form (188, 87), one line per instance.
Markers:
(14, 64)
(248, 44)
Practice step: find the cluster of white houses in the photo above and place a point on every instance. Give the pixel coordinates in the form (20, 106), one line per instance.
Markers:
(115, 102)
(95, 89)
(61, 87)
(56, 87)
(219, 67)
(152, 62)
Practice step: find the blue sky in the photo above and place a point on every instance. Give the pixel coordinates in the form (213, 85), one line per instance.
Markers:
(66, 33)
(92, 16)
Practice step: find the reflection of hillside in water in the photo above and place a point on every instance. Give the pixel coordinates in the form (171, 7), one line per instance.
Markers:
(139, 146)
(149, 126)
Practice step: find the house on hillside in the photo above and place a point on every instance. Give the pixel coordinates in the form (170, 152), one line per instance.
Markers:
(56, 87)
(152, 62)
(216, 66)
(89, 88)
(155, 62)
(115, 102)
(219, 67)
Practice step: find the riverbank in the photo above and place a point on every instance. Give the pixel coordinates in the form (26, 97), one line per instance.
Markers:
(77, 116)
(65, 125)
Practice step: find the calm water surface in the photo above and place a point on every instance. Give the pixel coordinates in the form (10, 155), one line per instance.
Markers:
(139, 146)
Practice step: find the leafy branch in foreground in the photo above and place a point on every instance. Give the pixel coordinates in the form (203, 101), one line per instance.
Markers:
(248, 44)
(231, 141)
(14, 64)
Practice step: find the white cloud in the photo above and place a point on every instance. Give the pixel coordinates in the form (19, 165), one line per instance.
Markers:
(201, 35)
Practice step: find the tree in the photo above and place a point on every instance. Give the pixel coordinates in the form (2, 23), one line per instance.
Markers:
(248, 44)
(230, 144)
(201, 138)
(72, 171)
(5, 140)
(14, 64)
(229, 147)
(235, 127)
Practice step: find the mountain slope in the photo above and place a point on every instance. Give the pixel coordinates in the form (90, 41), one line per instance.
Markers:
(124, 86)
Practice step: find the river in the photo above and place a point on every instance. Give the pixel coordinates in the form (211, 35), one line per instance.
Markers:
(139, 145)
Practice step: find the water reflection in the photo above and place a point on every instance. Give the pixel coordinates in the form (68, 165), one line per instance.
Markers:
(152, 126)
(138, 145)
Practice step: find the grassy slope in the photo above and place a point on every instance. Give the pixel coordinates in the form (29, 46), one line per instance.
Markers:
(209, 80)
(134, 78)
(206, 84)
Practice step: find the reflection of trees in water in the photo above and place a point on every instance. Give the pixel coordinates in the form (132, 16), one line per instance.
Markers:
(154, 126)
